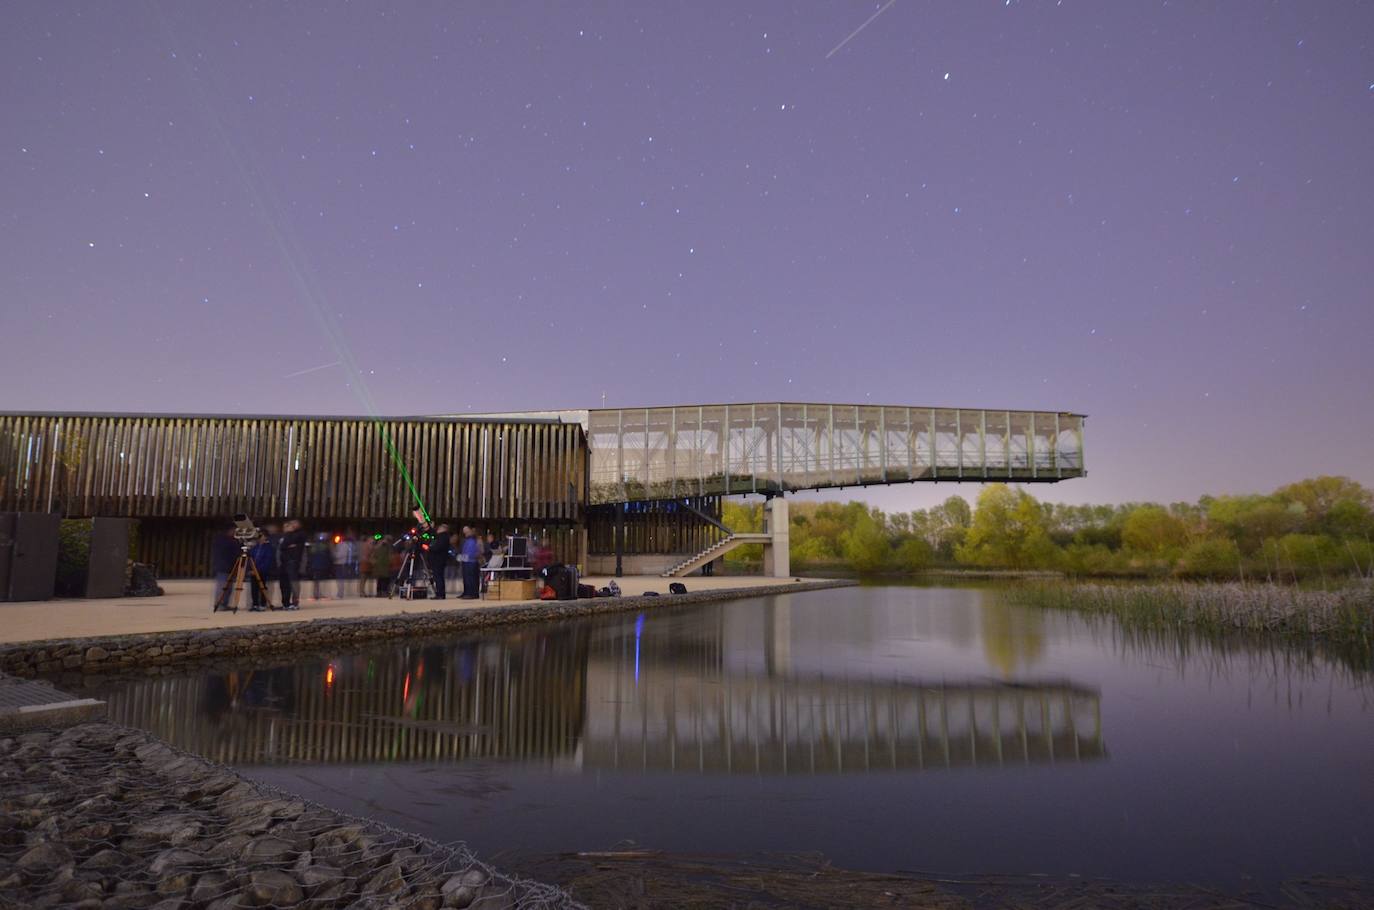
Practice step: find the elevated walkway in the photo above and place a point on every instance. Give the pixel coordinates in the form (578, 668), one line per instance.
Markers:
(665, 453)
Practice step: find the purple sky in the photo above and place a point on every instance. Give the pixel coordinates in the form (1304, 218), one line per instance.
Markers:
(1156, 214)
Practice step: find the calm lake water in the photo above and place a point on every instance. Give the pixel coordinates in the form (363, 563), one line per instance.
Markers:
(886, 727)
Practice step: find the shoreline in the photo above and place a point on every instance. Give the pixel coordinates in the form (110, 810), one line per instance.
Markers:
(170, 648)
(111, 816)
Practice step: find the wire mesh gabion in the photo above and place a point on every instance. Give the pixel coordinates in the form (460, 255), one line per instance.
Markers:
(103, 816)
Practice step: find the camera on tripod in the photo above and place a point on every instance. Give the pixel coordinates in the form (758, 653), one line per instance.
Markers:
(245, 532)
(243, 571)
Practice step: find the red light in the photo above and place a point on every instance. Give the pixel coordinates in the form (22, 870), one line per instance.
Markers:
(424, 546)
(337, 538)
(329, 676)
(405, 690)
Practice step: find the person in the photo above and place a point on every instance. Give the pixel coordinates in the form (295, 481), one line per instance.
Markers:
(493, 560)
(290, 555)
(224, 550)
(264, 556)
(364, 555)
(451, 573)
(380, 567)
(437, 557)
(321, 562)
(273, 572)
(343, 555)
(469, 555)
(489, 547)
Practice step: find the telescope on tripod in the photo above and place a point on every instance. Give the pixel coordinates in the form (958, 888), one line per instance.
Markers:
(413, 581)
(245, 532)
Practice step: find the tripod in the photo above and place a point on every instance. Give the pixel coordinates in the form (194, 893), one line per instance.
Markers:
(413, 579)
(233, 586)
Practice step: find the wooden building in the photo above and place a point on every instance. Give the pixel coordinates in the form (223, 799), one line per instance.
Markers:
(183, 476)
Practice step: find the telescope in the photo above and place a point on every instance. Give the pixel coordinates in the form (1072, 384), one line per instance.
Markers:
(422, 522)
(245, 531)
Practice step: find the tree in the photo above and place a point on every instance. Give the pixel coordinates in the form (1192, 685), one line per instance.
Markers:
(1319, 496)
(1210, 557)
(1007, 531)
(865, 546)
(1150, 529)
(913, 555)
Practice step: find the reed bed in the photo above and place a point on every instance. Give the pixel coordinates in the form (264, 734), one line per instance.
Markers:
(1343, 617)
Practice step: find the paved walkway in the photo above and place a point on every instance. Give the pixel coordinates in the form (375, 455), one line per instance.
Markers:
(186, 605)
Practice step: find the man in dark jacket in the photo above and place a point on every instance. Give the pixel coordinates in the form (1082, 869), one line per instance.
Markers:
(264, 557)
(224, 549)
(437, 558)
(290, 553)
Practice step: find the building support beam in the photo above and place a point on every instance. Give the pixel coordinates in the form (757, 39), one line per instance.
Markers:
(777, 561)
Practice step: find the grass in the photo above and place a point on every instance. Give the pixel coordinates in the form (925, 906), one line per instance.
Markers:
(1343, 617)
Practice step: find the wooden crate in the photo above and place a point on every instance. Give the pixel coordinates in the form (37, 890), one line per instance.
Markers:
(515, 589)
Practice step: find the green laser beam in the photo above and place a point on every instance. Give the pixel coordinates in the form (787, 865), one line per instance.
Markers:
(405, 472)
(278, 225)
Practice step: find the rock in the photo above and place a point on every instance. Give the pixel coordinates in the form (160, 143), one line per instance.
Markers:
(274, 887)
(315, 876)
(476, 876)
(233, 901)
(209, 886)
(457, 894)
(388, 880)
(173, 829)
(503, 899)
(106, 859)
(267, 851)
(97, 803)
(170, 903)
(175, 860)
(77, 891)
(340, 845)
(228, 847)
(409, 861)
(44, 857)
(96, 653)
(96, 831)
(175, 883)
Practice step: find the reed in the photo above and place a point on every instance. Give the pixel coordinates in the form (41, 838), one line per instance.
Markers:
(1344, 616)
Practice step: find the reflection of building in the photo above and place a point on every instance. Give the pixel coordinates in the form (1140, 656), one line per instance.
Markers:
(434, 703)
(646, 482)
(680, 700)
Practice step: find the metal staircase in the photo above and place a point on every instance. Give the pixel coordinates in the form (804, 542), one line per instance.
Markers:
(715, 551)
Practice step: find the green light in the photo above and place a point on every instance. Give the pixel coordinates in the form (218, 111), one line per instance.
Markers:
(376, 537)
(405, 473)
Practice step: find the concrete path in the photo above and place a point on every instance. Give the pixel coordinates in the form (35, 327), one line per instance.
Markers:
(186, 606)
(28, 703)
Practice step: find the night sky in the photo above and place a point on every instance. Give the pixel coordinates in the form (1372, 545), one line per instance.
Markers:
(1158, 214)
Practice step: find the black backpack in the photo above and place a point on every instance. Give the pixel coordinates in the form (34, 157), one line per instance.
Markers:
(677, 587)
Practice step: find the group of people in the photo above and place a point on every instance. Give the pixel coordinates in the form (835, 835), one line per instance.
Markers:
(466, 550)
(286, 555)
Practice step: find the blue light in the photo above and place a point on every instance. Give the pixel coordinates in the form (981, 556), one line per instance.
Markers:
(639, 630)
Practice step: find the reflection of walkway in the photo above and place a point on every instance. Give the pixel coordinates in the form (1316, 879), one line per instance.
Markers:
(676, 721)
(543, 697)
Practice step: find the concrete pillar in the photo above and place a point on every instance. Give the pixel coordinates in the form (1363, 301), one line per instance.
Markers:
(777, 562)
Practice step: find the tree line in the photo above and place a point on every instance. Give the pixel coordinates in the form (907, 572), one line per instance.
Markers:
(1317, 528)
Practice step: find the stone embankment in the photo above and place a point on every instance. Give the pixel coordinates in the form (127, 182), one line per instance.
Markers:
(122, 652)
(102, 816)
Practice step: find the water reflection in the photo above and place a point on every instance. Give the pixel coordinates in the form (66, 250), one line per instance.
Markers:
(721, 692)
(809, 722)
